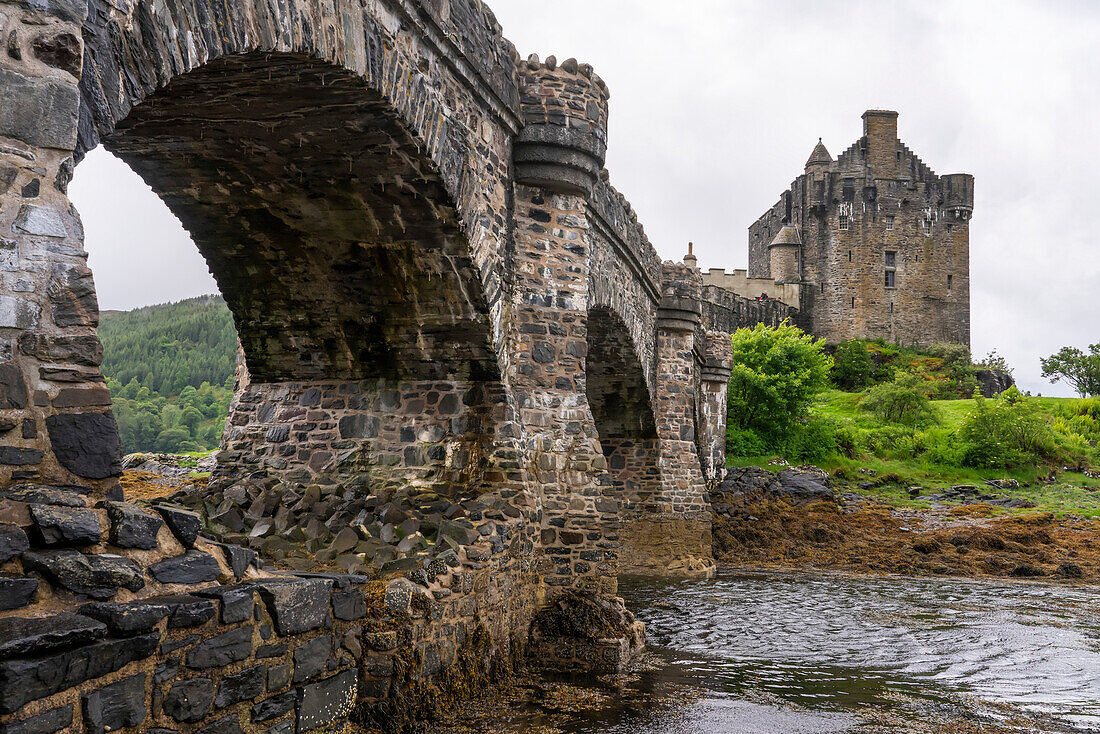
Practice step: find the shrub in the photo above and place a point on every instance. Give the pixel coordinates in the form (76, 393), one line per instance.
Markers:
(1006, 432)
(853, 368)
(744, 442)
(777, 372)
(904, 401)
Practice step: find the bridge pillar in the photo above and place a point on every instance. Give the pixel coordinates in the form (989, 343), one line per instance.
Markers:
(714, 376)
(55, 419)
(671, 533)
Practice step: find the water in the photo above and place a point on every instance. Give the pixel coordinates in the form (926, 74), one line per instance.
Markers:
(785, 653)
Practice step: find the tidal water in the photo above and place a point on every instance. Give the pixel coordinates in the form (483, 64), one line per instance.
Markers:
(782, 653)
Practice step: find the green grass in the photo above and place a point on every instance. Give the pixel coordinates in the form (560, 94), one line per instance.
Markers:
(844, 406)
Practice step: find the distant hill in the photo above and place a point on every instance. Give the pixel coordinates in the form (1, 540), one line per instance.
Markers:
(170, 371)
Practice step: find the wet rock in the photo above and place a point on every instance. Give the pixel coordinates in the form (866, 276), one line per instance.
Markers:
(224, 649)
(272, 707)
(16, 591)
(326, 701)
(1026, 570)
(99, 576)
(64, 526)
(241, 686)
(185, 610)
(236, 601)
(13, 541)
(132, 528)
(127, 617)
(116, 706)
(349, 604)
(228, 725)
(87, 444)
(26, 680)
(184, 524)
(49, 722)
(297, 605)
(189, 701)
(24, 637)
(311, 658)
(44, 495)
(193, 567)
(1069, 570)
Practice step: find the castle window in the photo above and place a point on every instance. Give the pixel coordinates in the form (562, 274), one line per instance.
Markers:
(891, 278)
(889, 221)
(853, 301)
(849, 256)
(891, 259)
(949, 282)
(822, 287)
(927, 227)
(843, 221)
(891, 263)
(891, 308)
(899, 155)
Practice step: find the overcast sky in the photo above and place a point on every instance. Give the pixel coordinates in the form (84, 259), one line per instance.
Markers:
(715, 106)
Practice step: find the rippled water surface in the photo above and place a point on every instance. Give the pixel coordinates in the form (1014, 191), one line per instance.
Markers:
(779, 653)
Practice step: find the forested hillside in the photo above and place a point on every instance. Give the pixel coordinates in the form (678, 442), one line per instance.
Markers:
(170, 371)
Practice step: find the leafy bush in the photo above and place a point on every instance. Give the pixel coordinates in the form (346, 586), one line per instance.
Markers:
(777, 372)
(994, 361)
(1006, 432)
(853, 368)
(904, 401)
(744, 442)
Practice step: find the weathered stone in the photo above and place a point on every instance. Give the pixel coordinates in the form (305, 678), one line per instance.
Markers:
(236, 601)
(99, 576)
(115, 706)
(13, 456)
(272, 707)
(64, 526)
(189, 701)
(13, 541)
(82, 350)
(185, 610)
(184, 524)
(193, 567)
(26, 680)
(311, 658)
(224, 649)
(359, 425)
(16, 592)
(241, 686)
(46, 114)
(24, 637)
(41, 221)
(132, 528)
(61, 50)
(13, 390)
(349, 604)
(49, 722)
(43, 495)
(278, 677)
(326, 701)
(87, 444)
(227, 725)
(297, 605)
(238, 558)
(78, 397)
(127, 617)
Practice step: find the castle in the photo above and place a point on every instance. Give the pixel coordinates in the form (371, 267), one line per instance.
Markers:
(871, 245)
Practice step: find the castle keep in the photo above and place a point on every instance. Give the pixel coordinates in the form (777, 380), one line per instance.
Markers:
(872, 245)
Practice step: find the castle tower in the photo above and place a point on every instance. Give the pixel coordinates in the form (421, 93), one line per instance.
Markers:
(879, 243)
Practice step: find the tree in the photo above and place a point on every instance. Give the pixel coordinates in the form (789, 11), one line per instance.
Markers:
(1080, 370)
(905, 401)
(777, 372)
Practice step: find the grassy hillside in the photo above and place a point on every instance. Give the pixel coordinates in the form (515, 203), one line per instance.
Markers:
(170, 371)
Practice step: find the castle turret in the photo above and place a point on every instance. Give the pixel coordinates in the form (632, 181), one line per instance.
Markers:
(785, 253)
(819, 159)
(958, 195)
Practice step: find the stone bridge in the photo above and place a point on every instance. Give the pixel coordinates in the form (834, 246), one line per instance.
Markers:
(440, 297)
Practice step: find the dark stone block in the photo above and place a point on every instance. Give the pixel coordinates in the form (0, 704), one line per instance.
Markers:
(297, 605)
(60, 50)
(349, 604)
(116, 706)
(238, 558)
(185, 610)
(14, 456)
(82, 350)
(189, 701)
(228, 725)
(132, 528)
(167, 670)
(29, 679)
(278, 677)
(64, 526)
(87, 444)
(242, 686)
(7, 425)
(230, 647)
(35, 494)
(46, 115)
(311, 658)
(13, 541)
(49, 722)
(193, 567)
(185, 525)
(127, 617)
(271, 651)
(13, 389)
(327, 701)
(16, 591)
(283, 727)
(30, 428)
(236, 601)
(170, 646)
(99, 576)
(359, 425)
(272, 707)
(22, 637)
(77, 397)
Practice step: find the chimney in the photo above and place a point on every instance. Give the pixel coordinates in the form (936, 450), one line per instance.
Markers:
(690, 259)
(880, 130)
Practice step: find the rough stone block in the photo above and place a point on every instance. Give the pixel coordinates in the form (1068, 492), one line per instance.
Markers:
(87, 444)
(13, 389)
(115, 706)
(132, 528)
(13, 541)
(127, 617)
(228, 725)
(16, 592)
(14, 456)
(64, 526)
(25, 637)
(185, 610)
(46, 115)
(236, 601)
(26, 680)
(326, 701)
(297, 605)
(311, 658)
(242, 686)
(272, 707)
(189, 701)
(184, 524)
(349, 604)
(49, 722)
(193, 567)
(40, 221)
(230, 647)
(99, 576)
(278, 677)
